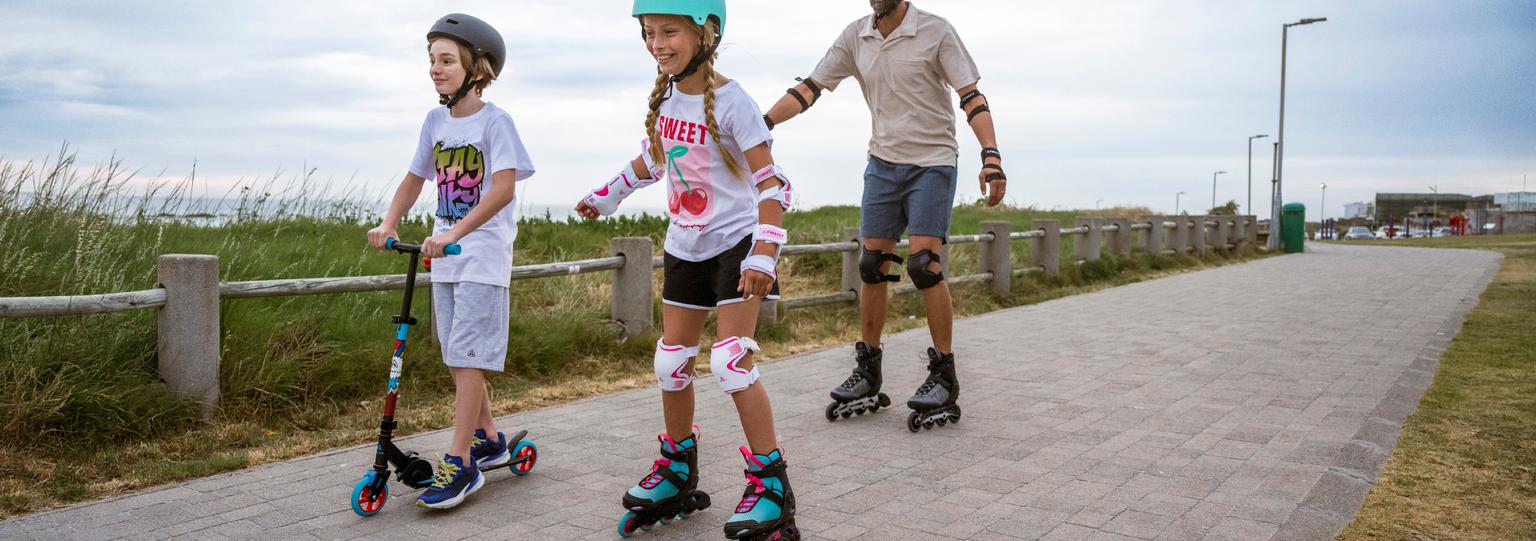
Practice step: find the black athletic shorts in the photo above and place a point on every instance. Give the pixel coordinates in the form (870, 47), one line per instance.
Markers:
(703, 285)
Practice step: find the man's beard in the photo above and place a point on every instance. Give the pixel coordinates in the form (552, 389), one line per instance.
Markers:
(884, 7)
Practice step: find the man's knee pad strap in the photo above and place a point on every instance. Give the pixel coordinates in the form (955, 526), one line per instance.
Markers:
(723, 358)
(670, 363)
(869, 266)
(917, 268)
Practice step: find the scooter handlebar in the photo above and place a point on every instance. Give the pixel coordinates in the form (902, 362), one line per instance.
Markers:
(392, 244)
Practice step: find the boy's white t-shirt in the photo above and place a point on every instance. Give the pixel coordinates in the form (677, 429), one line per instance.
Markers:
(711, 209)
(462, 155)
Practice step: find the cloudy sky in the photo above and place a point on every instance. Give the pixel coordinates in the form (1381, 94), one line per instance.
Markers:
(1121, 102)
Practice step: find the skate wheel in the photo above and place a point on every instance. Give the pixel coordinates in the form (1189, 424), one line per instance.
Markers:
(884, 401)
(942, 421)
(832, 411)
(847, 414)
(927, 424)
(912, 423)
(666, 520)
(528, 453)
(699, 500)
(365, 501)
(628, 524)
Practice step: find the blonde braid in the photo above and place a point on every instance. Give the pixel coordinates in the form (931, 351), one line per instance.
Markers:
(707, 69)
(662, 82)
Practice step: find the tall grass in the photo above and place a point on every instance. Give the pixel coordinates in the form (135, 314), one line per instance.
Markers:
(83, 391)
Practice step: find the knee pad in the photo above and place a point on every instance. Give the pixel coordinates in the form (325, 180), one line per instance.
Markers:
(869, 266)
(723, 357)
(670, 362)
(917, 268)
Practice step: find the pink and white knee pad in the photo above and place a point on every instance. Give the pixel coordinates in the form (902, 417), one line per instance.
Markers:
(670, 363)
(723, 359)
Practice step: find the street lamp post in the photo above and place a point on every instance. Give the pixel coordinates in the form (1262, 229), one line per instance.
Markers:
(1213, 189)
(1096, 204)
(1176, 199)
(1322, 207)
(1434, 215)
(1249, 207)
(1274, 222)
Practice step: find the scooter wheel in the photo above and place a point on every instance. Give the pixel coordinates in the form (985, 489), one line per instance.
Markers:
(366, 500)
(528, 454)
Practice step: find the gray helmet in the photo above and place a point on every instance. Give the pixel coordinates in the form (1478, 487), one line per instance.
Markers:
(480, 37)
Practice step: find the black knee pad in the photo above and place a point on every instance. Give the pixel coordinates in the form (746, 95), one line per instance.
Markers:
(869, 267)
(917, 268)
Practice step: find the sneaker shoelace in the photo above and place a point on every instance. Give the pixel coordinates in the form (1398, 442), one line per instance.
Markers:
(445, 474)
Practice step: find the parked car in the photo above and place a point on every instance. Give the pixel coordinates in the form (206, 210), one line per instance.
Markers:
(1382, 232)
(1441, 232)
(1359, 233)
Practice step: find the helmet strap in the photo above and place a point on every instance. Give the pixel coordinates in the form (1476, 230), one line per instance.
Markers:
(449, 101)
(693, 67)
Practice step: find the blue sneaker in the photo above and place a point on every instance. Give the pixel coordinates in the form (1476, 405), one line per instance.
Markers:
(767, 508)
(489, 454)
(454, 482)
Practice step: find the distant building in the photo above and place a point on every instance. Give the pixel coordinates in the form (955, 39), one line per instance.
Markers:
(1364, 209)
(1427, 206)
(1515, 201)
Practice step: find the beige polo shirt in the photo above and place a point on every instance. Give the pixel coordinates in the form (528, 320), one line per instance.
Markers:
(908, 80)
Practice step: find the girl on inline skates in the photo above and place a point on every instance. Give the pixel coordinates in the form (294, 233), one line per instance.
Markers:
(726, 200)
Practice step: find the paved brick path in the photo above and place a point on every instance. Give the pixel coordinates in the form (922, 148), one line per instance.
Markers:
(1256, 401)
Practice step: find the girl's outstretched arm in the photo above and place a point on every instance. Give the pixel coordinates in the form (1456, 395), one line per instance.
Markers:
(637, 173)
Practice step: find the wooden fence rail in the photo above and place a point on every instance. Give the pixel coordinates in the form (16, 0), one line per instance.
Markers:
(188, 294)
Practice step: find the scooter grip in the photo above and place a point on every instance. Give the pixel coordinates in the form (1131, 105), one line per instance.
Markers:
(452, 249)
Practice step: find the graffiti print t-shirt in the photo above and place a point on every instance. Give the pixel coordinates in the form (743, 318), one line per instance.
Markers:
(711, 209)
(460, 155)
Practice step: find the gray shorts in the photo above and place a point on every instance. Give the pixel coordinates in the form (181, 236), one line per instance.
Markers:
(472, 321)
(915, 199)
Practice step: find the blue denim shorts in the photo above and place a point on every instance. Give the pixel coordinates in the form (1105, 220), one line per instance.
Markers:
(918, 200)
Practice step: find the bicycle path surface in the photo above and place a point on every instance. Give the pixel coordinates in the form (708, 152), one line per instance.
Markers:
(1247, 402)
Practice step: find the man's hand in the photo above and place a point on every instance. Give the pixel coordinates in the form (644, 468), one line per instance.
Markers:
(999, 186)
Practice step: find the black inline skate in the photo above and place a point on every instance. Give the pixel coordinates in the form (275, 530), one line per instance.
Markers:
(767, 508)
(861, 391)
(934, 402)
(669, 491)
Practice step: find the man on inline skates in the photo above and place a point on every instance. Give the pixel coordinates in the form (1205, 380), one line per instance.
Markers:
(906, 61)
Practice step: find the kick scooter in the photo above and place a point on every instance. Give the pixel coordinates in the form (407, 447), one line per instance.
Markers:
(372, 490)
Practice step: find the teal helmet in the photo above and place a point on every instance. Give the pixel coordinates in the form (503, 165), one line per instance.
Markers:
(700, 10)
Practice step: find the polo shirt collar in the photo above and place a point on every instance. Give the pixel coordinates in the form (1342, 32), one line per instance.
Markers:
(908, 26)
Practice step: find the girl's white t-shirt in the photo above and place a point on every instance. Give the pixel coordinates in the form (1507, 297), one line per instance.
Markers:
(462, 155)
(711, 209)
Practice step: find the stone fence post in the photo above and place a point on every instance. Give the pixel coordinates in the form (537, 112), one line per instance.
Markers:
(632, 285)
(1180, 238)
(1120, 241)
(1156, 236)
(1088, 244)
(997, 256)
(188, 327)
(1199, 235)
(1045, 252)
(1223, 232)
(851, 280)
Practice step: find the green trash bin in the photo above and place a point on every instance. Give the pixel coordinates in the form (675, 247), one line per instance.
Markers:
(1293, 227)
